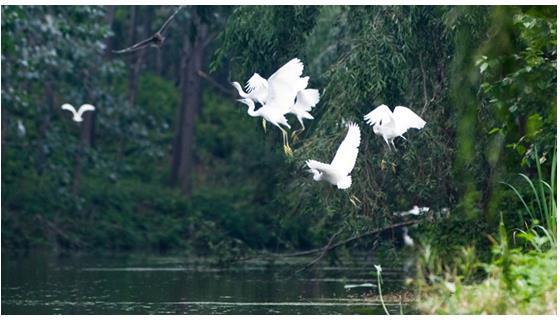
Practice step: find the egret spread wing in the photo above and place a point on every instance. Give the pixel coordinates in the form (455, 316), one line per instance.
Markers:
(258, 87)
(256, 82)
(381, 113)
(285, 83)
(347, 152)
(306, 99)
(68, 107)
(84, 108)
(406, 119)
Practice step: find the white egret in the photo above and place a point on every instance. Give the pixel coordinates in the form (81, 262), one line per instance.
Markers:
(338, 171)
(257, 89)
(305, 101)
(283, 87)
(416, 211)
(408, 241)
(394, 124)
(272, 115)
(77, 115)
(21, 129)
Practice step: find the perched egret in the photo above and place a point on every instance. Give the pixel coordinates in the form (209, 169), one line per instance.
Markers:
(77, 115)
(408, 241)
(416, 211)
(305, 101)
(338, 171)
(283, 87)
(394, 124)
(21, 129)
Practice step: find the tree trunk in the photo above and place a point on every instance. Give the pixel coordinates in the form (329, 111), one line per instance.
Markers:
(137, 57)
(87, 129)
(44, 126)
(191, 100)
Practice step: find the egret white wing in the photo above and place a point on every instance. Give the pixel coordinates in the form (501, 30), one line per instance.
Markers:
(381, 113)
(84, 108)
(307, 99)
(255, 82)
(316, 165)
(406, 119)
(258, 86)
(68, 107)
(347, 152)
(285, 83)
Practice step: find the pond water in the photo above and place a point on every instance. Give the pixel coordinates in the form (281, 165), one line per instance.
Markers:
(40, 283)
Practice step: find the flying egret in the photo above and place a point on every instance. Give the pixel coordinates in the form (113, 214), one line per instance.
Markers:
(394, 124)
(257, 89)
(282, 90)
(273, 115)
(338, 171)
(305, 101)
(77, 115)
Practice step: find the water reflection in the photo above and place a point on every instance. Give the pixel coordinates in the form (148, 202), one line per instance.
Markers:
(134, 284)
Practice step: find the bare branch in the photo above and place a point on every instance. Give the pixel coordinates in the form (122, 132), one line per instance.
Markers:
(156, 39)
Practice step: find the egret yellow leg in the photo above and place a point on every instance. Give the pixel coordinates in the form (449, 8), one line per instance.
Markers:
(287, 150)
(295, 134)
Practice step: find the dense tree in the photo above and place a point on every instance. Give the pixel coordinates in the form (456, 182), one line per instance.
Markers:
(483, 78)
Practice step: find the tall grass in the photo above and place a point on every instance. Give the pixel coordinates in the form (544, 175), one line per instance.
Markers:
(516, 280)
(543, 216)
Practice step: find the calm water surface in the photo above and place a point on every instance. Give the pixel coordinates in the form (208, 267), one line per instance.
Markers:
(40, 283)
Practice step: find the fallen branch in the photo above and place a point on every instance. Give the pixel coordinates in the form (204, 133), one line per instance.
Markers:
(325, 249)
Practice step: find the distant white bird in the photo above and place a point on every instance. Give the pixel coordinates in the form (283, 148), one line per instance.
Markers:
(394, 124)
(338, 171)
(305, 101)
(416, 210)
(283, 87)
(77, 116)
(20, 129)
(408, 241)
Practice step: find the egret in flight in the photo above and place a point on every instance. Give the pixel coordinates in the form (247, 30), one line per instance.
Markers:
(394, 124)
(272, 115)
(305, 101)
(282, 89)
(338, 171)
(257, 89)
(77, 115)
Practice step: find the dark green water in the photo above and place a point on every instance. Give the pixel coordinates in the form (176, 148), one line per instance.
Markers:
(139, 284)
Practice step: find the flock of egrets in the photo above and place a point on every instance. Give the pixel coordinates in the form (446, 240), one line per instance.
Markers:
(286, 92)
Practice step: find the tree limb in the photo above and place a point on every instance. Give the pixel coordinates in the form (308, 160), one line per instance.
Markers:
(156, 39)
(325, 249)
(227, 92)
